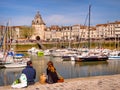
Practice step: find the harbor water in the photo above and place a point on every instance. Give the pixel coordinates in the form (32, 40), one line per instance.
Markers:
(67, 69)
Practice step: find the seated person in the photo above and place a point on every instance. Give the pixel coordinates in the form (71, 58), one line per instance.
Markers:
(51, 73)
(30, 73)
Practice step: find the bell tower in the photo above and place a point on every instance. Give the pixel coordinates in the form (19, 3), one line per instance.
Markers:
(38, 26)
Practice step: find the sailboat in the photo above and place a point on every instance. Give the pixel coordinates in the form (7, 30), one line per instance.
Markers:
(2, 44)
(91, 55)
(9, 59)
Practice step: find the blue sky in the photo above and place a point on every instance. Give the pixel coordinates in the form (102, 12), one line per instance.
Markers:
(59, 12)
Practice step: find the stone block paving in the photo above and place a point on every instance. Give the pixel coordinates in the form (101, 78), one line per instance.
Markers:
(98, 83)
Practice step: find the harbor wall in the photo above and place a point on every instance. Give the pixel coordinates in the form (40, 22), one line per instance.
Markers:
(108, 82)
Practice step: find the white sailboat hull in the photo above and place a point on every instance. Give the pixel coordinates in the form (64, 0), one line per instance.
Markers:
(114, 57)
(15, 65)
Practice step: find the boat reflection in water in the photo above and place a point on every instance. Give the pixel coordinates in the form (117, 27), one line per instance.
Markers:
(94, 68)
(92, 63)
(73, 69)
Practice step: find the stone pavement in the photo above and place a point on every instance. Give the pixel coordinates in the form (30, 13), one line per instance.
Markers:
(111, 82)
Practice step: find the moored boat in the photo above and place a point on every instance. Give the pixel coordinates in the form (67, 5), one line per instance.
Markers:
(15, 65)
(92, 58)
(17, 61)
(68, 58)
(114, 55)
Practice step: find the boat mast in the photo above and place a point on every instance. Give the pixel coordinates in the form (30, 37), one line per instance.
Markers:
(89, 27)
(5, 37)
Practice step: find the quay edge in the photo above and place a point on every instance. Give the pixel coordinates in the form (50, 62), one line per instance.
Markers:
(108, 82)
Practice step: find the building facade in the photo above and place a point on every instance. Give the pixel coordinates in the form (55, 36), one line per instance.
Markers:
(39, 27)
(74, 32)
(107, 31)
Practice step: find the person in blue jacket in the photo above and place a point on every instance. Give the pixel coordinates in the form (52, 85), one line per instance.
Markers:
(30, 73)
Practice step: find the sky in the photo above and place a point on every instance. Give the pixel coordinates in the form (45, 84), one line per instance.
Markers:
(59, 12)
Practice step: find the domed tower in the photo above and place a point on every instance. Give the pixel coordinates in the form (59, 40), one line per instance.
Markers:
(39, 27)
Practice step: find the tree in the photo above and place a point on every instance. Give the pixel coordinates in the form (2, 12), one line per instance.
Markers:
(26, 32)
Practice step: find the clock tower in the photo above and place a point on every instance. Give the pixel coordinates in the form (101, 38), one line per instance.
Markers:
(38, 26)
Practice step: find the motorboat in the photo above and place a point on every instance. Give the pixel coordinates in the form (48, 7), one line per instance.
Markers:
(114, 55)
(92, 58)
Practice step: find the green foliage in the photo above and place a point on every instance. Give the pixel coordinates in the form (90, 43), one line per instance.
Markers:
(26, 32)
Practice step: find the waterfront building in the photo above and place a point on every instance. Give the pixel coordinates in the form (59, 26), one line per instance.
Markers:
(108, 31)
(74, 32)
(117, 29)
(39, 27)
(16, 32)
(78, 32)
(67, 33)
(53, 33)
